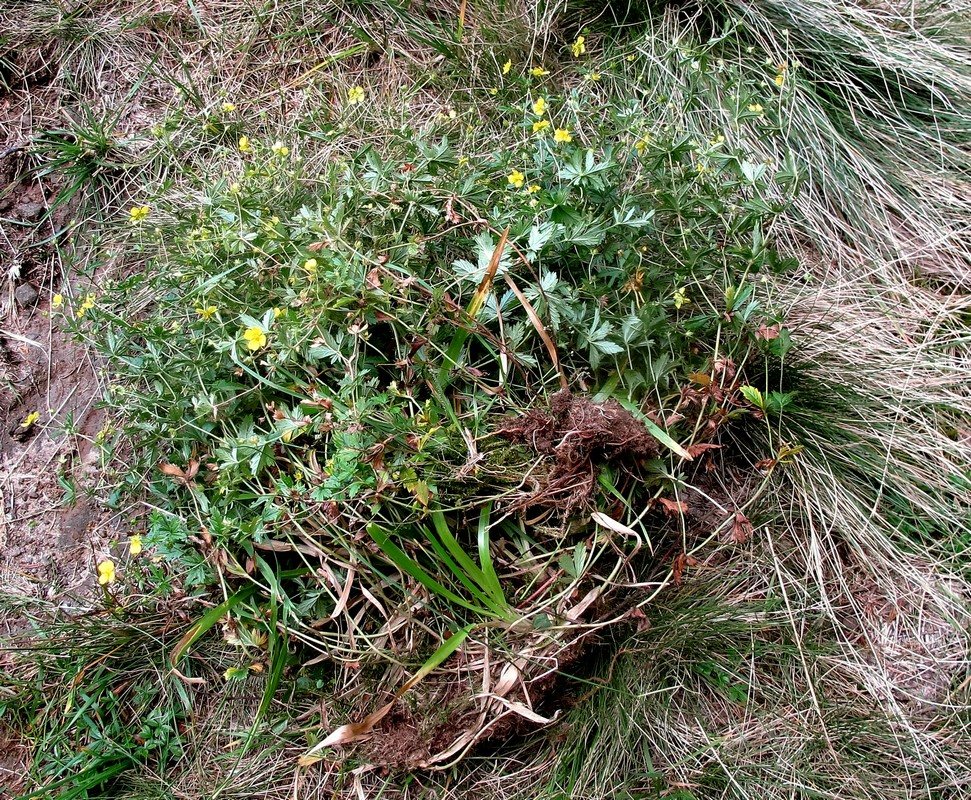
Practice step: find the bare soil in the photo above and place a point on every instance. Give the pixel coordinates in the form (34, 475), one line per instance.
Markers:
(50, 530)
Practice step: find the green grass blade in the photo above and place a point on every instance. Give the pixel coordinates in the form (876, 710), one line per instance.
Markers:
(408, 565)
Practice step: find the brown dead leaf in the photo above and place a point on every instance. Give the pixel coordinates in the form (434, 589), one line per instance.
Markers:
(741, 528)
(768, 332)
(673, 507)
(696, 450)
(182, 476)
(681, 562)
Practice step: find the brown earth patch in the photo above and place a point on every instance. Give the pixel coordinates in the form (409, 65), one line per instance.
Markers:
(48, 526)
(577, 433)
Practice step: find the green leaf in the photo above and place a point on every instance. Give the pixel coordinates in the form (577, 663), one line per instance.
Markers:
(753, 395)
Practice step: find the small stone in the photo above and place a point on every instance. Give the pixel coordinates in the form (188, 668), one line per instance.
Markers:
(25, 294)
(28, 211)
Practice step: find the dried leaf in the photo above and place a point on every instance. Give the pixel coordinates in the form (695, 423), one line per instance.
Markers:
(612, 525)
(697, 449)
(673, 507)
(540, 329)
(768, 332)
(741, 528)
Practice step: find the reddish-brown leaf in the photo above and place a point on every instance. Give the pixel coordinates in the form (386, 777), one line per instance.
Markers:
(741, 528)
(697, 449)
(673, 507)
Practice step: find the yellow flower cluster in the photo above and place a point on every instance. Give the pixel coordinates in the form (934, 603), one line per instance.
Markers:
(87, 304)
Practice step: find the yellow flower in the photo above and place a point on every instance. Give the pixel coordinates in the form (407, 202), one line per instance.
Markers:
(106, 572)
(227, 107)
(135, 545)
(516, 179)
(280, 149)
(641, 145)
(533, 189)
(592, 76)
(311, 265)
(538, 72)
(235, 187)
(540, 125)
(680, 297)
(87, 304)
(244, 144)
(138, 213)
(206, 312)
(539, 106)
(506, 67)
(255, 338)
(355, 95)
(57, 301)
(30, 419)
(579, 48)
(562, 136)
(755, 108)
(277, 312)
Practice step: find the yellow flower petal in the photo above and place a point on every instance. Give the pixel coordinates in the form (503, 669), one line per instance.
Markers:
(135, 545)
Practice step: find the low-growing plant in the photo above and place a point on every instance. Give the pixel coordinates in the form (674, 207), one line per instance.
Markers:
(341, 379)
